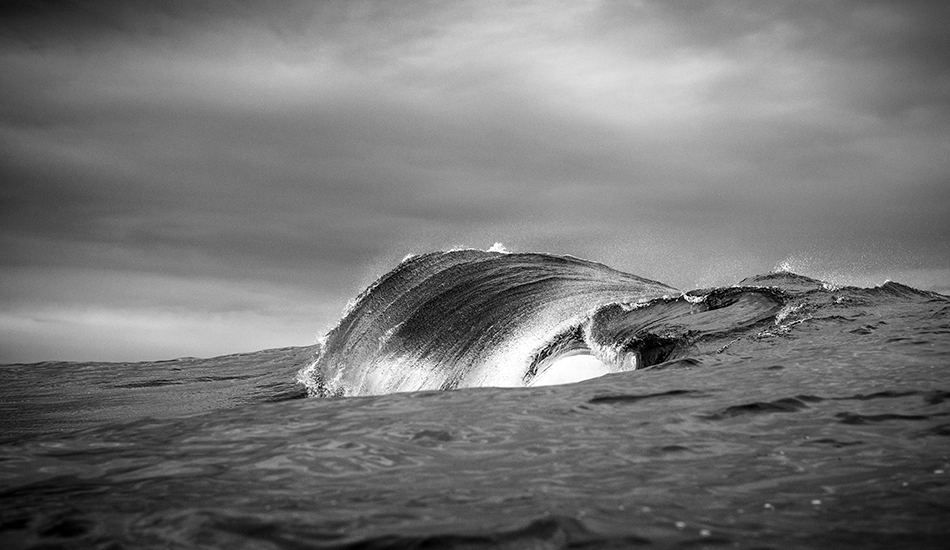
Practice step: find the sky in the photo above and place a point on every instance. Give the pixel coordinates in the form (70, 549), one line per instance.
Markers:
(201, 178)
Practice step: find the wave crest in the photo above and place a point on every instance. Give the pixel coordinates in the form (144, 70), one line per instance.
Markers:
(467, 318)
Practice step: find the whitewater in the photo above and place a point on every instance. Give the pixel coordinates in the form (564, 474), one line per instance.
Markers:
(780, 412)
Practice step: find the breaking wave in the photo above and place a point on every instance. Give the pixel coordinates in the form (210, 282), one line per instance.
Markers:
(469, 318)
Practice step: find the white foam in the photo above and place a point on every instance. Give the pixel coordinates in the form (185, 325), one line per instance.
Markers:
(306, 378)
(785, 266)
(573, 368)
(695, 299)
(787, 310)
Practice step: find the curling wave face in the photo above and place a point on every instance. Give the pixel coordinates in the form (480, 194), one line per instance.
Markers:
(469, 318)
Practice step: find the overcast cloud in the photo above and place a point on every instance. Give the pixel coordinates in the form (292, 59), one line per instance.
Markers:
(185, 178)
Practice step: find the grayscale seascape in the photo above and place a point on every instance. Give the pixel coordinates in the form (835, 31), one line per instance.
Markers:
(822, 424)
(521, 274)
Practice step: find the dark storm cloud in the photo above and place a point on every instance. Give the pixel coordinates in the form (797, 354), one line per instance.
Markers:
(310, 145)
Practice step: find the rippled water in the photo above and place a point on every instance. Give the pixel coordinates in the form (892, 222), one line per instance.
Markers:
(829, 428)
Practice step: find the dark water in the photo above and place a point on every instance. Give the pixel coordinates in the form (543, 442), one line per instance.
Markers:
(826, 425)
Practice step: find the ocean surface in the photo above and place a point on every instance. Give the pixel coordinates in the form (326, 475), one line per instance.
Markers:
(782, 412)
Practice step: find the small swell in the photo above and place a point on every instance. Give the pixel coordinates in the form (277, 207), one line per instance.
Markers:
(878, 395)
(854, 418)
(943, 430)
(936, 397)
(67, 528)
(159, 382)
(785, 405)
(432, 435)
(783, 279)
(868, 328)
(285, 393)
(668, 449)
(684, 362)
(833, 442)
(151, 384)
(630, 399)
(809, 398)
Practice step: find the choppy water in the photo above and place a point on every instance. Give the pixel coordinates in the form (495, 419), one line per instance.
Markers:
(825, 426)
